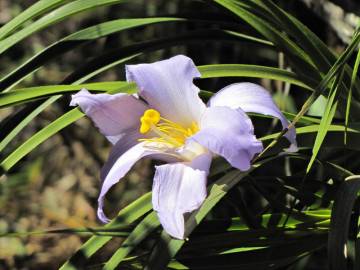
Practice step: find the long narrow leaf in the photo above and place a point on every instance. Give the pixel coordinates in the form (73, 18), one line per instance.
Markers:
(39, 137)
(55, 16)
(21, 95)
(145, 227)
(349, 98)
(71, 41)
(33, 11)
(326, 120)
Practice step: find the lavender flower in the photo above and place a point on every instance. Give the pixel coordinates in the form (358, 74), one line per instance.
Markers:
(175, 126)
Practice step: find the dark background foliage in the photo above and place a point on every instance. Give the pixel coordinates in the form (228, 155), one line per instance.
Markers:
(56, 186)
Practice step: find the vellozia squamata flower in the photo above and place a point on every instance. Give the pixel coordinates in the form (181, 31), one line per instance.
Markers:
(166, 120)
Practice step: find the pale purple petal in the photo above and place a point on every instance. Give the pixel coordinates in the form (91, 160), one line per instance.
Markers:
(179, 188)
(121, 146)
(201, 162)
(168, 87)
(229, 133)
(251, 97)
(112, 114)
(119, 168)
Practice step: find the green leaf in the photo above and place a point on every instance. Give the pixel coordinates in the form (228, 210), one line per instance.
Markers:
(304, 120)
(25, 94)
(243, 70)
(349, 98)
(39, 137)
(315, 129)
(312, 45)
(33, 11)
(326, 120)
(53, 17)
(141, 231)
(110, 58)
(121, 230)
(71, 41)
(295, 54)
(24, 122)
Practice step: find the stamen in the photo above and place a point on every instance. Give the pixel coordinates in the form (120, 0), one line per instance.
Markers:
(150, 117)
(168, 131)
(165, 136)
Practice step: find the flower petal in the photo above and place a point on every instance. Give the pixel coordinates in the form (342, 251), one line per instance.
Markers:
(112, 174)
(251, 97)
(121, 146)
(112, 114)
(177, 189)
(168, 87)
(228, 133)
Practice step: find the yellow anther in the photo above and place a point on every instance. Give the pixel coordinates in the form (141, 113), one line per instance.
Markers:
(150, 117)
(144, 127)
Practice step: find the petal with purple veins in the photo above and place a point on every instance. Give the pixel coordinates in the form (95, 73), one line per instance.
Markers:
(168, 87)
(229, 133)
(251, 97)
(114, 114)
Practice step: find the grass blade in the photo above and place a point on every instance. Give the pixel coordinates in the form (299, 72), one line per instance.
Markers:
(76, 39)
(26, 94)
(327, 118)
(243, 70)
(349, 98)
(33, 11)
(24, 122)
(145, 227)
(40, 137)
(53, 17)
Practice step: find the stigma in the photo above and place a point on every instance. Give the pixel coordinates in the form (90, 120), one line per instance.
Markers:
(166, 130)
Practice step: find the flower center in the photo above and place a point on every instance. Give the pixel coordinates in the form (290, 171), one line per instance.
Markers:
(167, 130)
